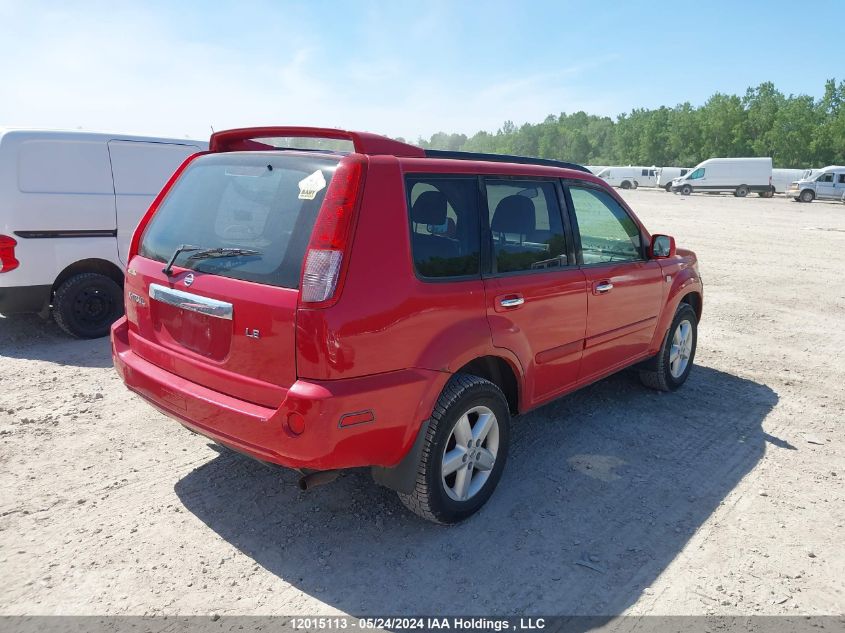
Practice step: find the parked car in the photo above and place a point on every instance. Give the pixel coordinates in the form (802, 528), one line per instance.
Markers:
(740, 176)
(783, 178)
(827, 184)
(69, 203)
(665, 176)
(629, 177)
(391, 307)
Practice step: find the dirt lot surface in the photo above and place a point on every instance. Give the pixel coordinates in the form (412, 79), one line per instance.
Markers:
(725, 497)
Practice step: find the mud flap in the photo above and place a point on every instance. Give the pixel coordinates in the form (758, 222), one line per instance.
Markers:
(403, 476)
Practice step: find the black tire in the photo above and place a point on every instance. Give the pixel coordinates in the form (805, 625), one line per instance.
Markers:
(429, 498)
(87, 304)
(668, 188)
(741, 191)
(808, 195)
(686, 190)
(656, 373)
(769, 193)
(625, 184)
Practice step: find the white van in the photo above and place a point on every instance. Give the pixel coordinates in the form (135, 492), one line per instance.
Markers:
(629, 177)
(69, 203)
(665, 176)
(782, 178)
(827, 184)
(738, 175)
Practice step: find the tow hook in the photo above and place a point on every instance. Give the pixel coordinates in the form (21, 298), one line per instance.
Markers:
(318, 478)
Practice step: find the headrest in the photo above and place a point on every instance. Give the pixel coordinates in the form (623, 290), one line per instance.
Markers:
(430, 208)
(514, 214)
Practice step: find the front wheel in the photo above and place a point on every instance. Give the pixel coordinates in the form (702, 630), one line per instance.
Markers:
(686, 190)
(668, 188)
(670, 368)
(465, 449)
(741, 191)
(807, 195)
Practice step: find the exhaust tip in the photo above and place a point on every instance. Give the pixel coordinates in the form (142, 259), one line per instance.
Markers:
(318, 478)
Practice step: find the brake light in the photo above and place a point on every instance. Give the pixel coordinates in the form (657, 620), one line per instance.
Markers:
(145, 220)
(7, 254)
(324, 261)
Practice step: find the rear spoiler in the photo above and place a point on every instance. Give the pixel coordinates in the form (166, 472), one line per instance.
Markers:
(244, 139)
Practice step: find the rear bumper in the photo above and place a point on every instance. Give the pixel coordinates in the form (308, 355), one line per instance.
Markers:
(398, 401)
(17, 299)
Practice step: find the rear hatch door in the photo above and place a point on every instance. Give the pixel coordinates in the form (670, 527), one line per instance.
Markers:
(223, 314)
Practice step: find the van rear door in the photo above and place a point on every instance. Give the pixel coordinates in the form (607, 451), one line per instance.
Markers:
(139, 170)
(224, 314)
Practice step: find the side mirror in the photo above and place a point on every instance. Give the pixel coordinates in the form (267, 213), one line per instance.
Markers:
(662, 246)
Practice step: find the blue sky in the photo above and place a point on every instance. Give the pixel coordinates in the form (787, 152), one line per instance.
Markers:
(398, 68)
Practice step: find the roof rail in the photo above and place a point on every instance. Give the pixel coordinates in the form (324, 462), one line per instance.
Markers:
(363, 142)
(503, 158)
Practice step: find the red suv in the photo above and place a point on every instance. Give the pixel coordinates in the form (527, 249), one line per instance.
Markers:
(389, 306)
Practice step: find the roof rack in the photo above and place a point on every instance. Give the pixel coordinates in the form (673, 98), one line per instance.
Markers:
(363, 142)
(503, 158)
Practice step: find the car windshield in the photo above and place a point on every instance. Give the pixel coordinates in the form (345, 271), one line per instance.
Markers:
(249, 216)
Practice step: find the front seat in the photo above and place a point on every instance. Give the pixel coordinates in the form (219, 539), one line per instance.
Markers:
(430, 210)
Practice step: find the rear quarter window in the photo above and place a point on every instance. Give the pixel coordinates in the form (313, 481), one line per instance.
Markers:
(252, 201)
(443, 213)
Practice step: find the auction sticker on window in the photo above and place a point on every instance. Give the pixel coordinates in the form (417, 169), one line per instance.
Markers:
(311, 185)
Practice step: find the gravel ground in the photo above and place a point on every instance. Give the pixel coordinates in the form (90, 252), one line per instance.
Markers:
(722, 498)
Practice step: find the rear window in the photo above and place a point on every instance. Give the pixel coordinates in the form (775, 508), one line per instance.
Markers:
(255, 201)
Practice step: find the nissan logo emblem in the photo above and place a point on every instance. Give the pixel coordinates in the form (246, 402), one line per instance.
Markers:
(189, 279)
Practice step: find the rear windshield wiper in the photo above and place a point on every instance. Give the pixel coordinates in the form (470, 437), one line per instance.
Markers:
(207, 253)
(168, 270)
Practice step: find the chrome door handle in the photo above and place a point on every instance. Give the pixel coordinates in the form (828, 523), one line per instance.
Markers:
(511, 303)
(605, 287)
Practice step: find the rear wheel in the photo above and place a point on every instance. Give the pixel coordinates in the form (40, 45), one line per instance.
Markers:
(670, 368)
(741, 191)
(465, 450)
(686, 190)
(626, 184)
(808, 195)
(769, 193)
(668, 187)
(87, 304)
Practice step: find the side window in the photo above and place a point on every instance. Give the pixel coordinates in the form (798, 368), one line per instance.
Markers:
(645, 172)
(608, 234)
(826, 178)
(526, 227)
(842, 179)
(444, 225)
(698, 173)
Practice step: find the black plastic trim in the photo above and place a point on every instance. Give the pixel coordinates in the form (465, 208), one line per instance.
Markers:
(41, 235)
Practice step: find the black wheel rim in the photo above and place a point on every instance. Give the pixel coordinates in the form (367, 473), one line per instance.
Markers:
(93, 307)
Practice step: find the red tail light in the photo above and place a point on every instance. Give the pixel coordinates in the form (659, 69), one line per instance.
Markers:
(7, 254)
(139, 230)
(322, 273)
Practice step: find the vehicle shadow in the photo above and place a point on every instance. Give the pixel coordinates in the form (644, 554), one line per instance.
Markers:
(27, 336)
(602, 490)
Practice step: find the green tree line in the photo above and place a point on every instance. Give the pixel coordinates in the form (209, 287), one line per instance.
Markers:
(797, 131)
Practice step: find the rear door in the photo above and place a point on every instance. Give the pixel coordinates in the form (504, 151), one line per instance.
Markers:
(139, 170)
(227, 321)
(535, 292)
(624, 290)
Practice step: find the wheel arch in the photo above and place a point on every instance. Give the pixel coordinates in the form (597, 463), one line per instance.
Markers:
(501, 373)
(93, 265)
